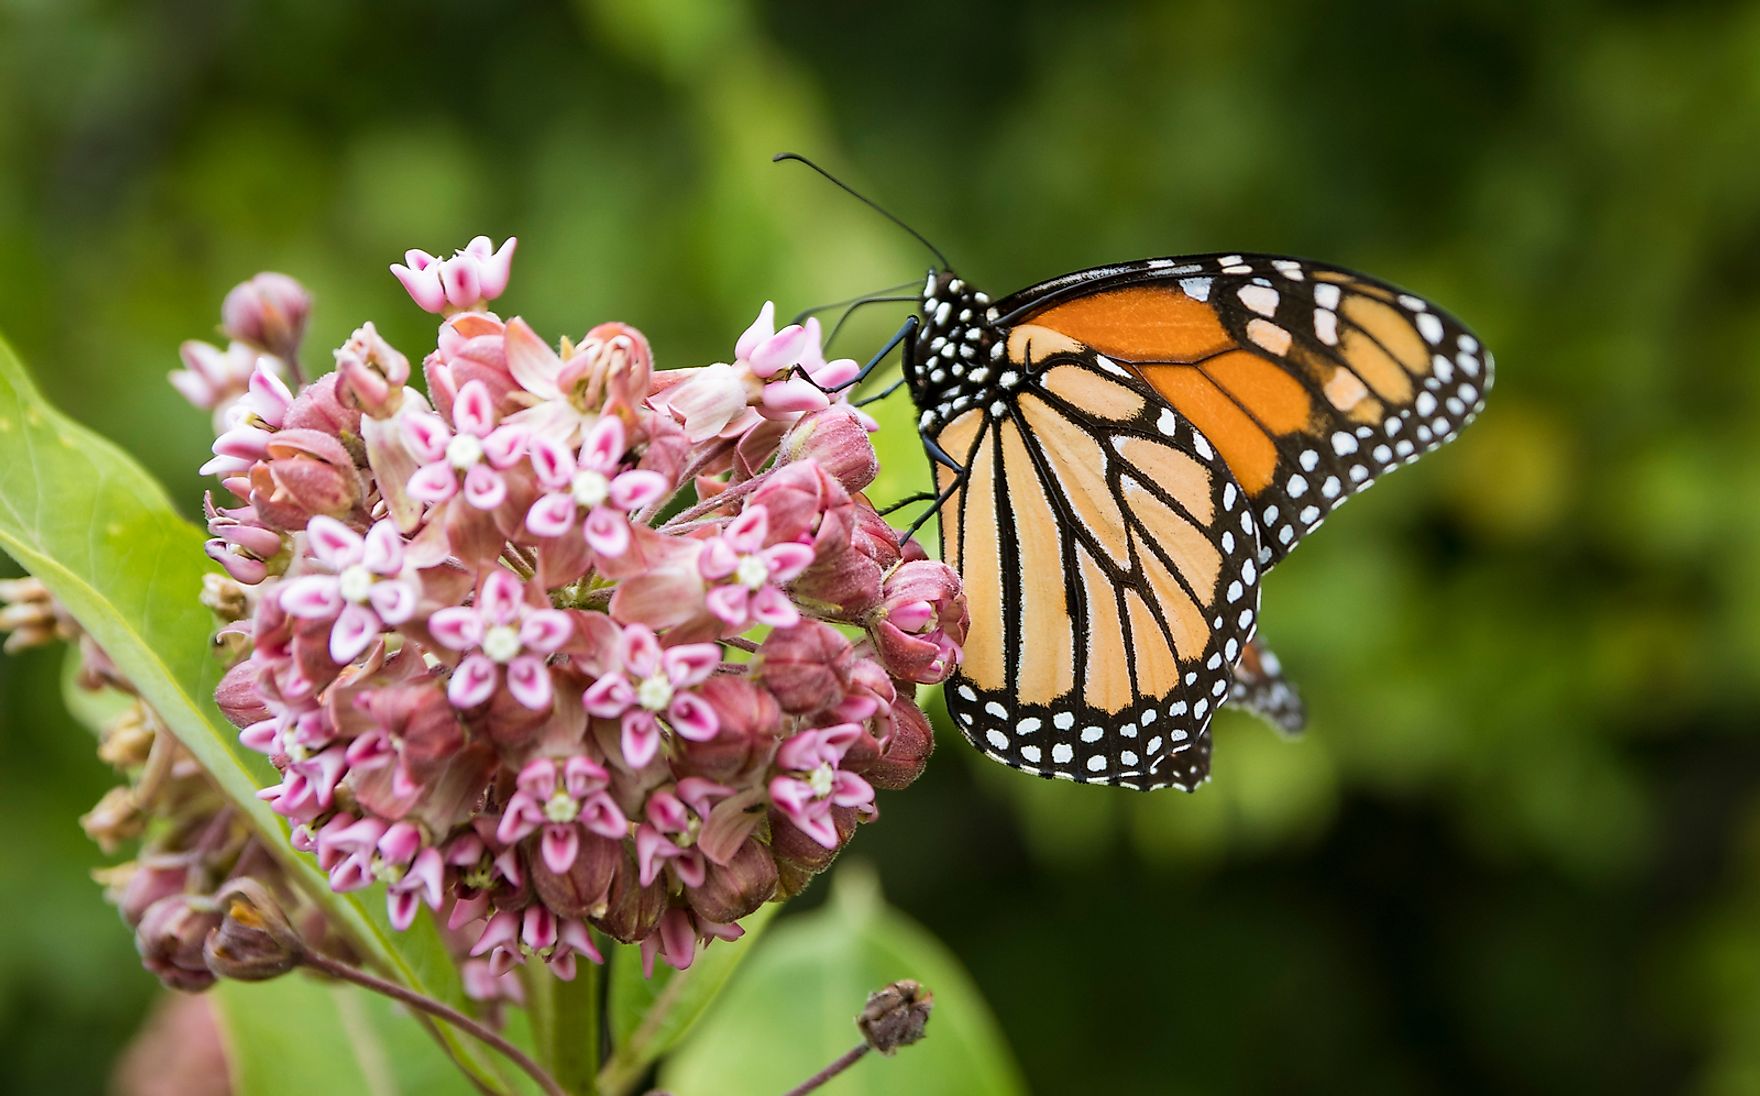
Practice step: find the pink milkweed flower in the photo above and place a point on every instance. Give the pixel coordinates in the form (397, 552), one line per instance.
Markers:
(673, 819)
(589, 488)
(250, 421)
(471, 456)
(365, 591)
(767, 351)
(371, 850)
(711, 401)
(500, 633)
(562, 809)
(648, 681)
(211, 378)
(675, 939)
(920, 625)
(812, 781)
(512, 935)
(471, 278)
(752, 575)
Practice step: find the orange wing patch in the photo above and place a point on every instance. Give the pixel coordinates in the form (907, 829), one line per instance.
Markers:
(1268, 393)
(1249, 451)
(1045, 639)
(1140, 323)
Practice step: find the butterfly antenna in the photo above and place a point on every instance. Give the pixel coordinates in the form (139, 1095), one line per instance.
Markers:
(865, 200)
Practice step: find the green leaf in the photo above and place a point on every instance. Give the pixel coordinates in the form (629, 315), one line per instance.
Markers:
(650, 1015)
(792, 1010)
(83, 517)
(92, 709)
(301, 1035)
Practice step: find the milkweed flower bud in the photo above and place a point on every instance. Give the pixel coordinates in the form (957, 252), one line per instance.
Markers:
(896, 1016)
(269, 312)
(254, 940)
(921, 622)
(170, 938)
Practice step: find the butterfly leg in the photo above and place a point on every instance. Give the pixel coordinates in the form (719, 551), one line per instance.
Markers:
(1261, 688)
(905, 331)
(880, 395)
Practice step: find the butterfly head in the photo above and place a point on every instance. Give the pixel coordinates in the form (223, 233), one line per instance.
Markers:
(949, 365)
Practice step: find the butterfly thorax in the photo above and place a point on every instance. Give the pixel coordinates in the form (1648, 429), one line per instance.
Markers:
(953, 362)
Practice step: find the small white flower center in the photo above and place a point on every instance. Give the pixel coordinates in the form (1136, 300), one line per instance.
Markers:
(561, 808)
(655, 692)
(464, 451)
(386, 872)
(355, 583)
(822, 780)
(591, 488)
(295, 751)
(501, 643)
(752, 572)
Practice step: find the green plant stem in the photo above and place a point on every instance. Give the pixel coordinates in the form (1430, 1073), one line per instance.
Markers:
(335, 968)
(571, 1044)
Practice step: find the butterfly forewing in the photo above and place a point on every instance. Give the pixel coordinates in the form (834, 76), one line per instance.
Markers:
(1309, 380)
(1108, 559)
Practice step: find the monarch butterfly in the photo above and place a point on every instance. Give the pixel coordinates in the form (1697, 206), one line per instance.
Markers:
(1122, 452)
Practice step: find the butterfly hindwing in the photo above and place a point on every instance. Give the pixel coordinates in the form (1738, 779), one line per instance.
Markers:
(1108, 557)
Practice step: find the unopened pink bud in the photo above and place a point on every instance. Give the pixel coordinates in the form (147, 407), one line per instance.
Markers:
(805, 666)
(268, 311)
(835, 439)
(731, 891)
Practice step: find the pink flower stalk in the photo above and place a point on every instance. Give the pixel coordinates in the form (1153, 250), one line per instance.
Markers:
(364, 591)
(649, 681)
(752, 573)
(589, 488)
(562, 799)
(495, 683)
(470, 457)
(503, 639)
(814, 780)
(471, 278)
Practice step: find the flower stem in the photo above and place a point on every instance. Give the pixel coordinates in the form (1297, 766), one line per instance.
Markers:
(848, 1058)
(572, 1049)
(337, 969)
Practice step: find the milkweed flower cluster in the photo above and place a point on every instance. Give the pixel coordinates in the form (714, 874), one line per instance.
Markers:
(565, 643)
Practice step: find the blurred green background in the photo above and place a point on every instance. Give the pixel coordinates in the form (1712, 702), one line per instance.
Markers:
(1519, 848)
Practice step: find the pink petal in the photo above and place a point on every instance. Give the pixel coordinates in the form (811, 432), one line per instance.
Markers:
(604, 445)
(761, 329)
(483, 488)
(793, 396)
(463, 281)
(531, 361)
(770, 606)
(472, 683)
(600, 815)
(552, 515)
(608, 697)
(433, 483)
(528, 679)
(581, 774)
(641, 651)
(311, 597)
(544, 630)
(554, 464)
(394, 601)
(354, 631)
(747, 532)
(787, 560)
(383, 548)
(652, 850)
(426, 435)
(607, 532)
(501, 932)
(560, 845)
(641, 738)
(730, 604)
(690, 663)
(638, 488)
(456, 628)
(473, 411)
(423, 285)
(498, 600)
(693, 717)
(505, 445)
(332, 543)
(717, 560)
